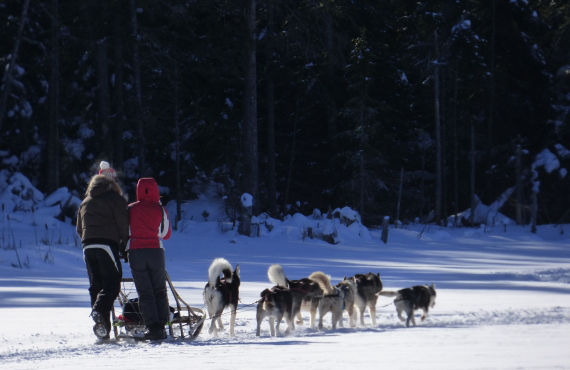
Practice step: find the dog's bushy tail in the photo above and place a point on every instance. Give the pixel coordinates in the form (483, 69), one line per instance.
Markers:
(323, 280)
(218, 266)
(388, 293)
(277, 276)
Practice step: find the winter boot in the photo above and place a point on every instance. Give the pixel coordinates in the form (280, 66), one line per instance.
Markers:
(155, 332)
(100, 327)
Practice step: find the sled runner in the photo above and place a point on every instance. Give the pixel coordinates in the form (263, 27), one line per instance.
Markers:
(185, 321)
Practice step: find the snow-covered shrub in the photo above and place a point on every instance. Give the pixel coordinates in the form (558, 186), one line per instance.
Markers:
(346, 215)
(66, 201)
(483, 214)
(317, 215)
(17, 192)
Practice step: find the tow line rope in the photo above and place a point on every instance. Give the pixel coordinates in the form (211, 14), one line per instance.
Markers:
(239, 308)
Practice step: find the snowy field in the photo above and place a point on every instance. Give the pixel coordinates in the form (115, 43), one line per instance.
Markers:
(503, 299)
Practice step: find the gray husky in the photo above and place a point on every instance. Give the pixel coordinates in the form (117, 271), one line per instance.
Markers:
(348, 286)
(334, 299)
(410, 299)
(368, 286)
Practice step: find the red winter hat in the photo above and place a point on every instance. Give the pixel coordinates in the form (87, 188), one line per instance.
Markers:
(107, 170)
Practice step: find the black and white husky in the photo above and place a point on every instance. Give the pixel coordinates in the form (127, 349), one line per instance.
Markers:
(221, 292)
(305, 292)
(368, 286)
(408, 300)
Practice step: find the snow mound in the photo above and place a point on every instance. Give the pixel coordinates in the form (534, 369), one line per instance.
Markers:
(17, 192)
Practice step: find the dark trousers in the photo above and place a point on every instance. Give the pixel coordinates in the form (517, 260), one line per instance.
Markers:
(149, 274)
(104, 278)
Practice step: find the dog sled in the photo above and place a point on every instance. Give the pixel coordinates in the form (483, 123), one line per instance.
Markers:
(185, 322)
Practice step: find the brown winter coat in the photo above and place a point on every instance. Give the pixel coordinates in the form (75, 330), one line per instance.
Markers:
(103, 217)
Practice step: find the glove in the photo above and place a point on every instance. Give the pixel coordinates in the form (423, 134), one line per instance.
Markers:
(124, 255)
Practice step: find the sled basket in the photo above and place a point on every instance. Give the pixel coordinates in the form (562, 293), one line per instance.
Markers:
(185, 321)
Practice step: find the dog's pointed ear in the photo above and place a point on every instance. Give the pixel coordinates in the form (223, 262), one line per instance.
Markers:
(378, 274)
(236, 272)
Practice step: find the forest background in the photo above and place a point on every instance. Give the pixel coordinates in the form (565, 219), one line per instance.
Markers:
(408, 109)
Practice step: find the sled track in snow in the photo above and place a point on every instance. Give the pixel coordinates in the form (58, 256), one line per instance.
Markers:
(40, 351)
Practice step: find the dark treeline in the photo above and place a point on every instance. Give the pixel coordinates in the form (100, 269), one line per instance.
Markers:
(400, 108)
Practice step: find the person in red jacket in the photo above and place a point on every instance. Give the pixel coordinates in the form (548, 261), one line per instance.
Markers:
(149, 225)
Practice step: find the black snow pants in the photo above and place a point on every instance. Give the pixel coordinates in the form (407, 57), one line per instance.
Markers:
(149, 273)
(105, 273)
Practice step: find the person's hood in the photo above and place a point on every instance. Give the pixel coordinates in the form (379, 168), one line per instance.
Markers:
(147, 190)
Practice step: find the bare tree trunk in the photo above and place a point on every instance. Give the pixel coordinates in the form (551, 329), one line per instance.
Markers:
(438, 181)
(423, 185)
(103, 97)
(443, 129)
(138, 89)
(249, 136)
(270, 106)
(455, 151)
(399, 196)
(271, 172)
(292, 153)
(362, 183)
(331, 109)
(331, 104)
(534, 206)
(53, 168)
(385, 224)
(535, 183)
(9, 71)
(177, 148)
(250, 119)
(119, 99)
(490, 122)
(361, 167)
(472, 187)
(518, 174)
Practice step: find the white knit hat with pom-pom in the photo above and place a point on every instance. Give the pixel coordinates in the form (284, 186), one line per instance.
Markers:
(107, 170)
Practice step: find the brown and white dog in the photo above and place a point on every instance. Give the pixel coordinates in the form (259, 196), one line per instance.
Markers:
(276, 304)
(368, 286)
(333, 299)
(221, 292)
(408, 300)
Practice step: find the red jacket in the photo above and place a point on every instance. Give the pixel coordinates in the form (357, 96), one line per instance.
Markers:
(149, 223)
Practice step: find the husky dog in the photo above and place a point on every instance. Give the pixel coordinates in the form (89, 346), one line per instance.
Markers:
(275, 303)
(305, 292)
(332, 300)
(348, 287)
(368, 286)
(410, 299)
(220, 293)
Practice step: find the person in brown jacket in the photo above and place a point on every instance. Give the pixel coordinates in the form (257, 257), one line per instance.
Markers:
(103, 225)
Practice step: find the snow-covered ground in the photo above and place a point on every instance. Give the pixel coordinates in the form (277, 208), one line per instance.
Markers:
(503, 298)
